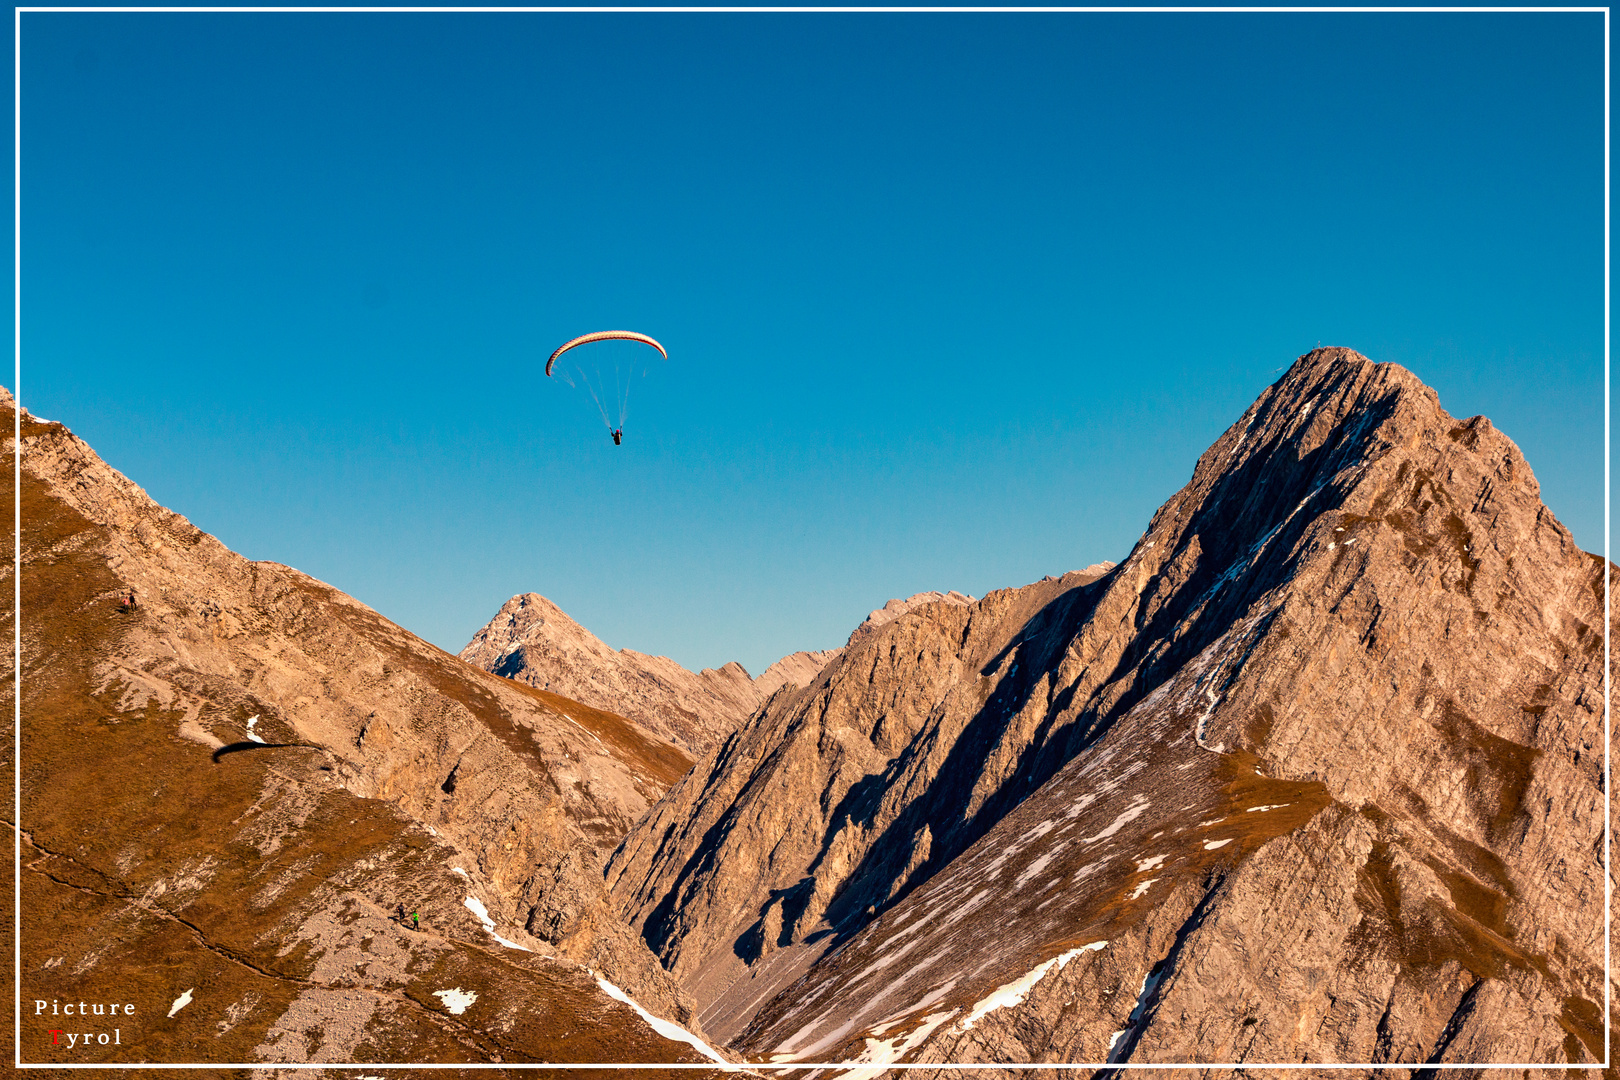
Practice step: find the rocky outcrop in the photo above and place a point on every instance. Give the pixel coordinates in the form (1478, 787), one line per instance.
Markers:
(794, 669)
(891, 611)
(531, 641)
(832, 800)
(1314, 775)
(234, 786)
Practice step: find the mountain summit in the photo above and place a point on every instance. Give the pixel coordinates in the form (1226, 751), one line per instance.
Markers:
(1314, 775)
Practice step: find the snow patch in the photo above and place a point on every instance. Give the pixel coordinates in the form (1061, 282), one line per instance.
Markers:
(1211, 845)
(1038, 865)
(181, 1002)
(476, 906)
(459, 870)
(1144, 865)
(254, 719)
(883, 1052)
(1150, 983)
(672, 1031)
(1086, 871)
(1141, 889)
(1013, 993)
(456, 1000)
(1128, 815)
(1271, 806)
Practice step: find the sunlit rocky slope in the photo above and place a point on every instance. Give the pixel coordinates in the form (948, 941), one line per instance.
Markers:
(533, 641)
(1314, 775)
(230, 791)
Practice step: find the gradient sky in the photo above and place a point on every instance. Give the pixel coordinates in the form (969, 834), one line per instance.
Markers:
(952, 301)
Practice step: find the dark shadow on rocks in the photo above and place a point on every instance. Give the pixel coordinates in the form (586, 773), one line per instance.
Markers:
(1249, 513)
(239, 747)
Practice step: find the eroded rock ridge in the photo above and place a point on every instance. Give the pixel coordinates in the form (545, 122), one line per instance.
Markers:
(1313, 775)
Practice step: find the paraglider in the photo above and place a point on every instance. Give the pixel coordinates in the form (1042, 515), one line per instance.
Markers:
(593, 375)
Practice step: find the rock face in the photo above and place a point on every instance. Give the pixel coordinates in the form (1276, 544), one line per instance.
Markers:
(532, 641)
(891, 611)
(794, 669)
(834, 798)
(232, 789)
(1315, 775)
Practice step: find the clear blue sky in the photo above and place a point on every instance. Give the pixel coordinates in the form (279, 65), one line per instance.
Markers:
(952, 301)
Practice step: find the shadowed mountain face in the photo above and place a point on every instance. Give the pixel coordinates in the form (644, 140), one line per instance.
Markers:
(233, 789)
(1313, 775)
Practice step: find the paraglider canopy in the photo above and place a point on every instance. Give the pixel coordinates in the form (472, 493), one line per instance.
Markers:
(606, 373)
(604, 335)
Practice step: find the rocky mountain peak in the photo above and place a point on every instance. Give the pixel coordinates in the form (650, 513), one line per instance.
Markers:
(891, 611)
(533, 641)
(1309, 776)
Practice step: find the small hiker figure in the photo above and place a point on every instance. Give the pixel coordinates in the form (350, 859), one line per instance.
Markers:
(401, 915)
(618, 436)
(416, 924)
(127, 603)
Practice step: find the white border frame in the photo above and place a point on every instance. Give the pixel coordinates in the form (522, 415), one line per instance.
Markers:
(17, 541)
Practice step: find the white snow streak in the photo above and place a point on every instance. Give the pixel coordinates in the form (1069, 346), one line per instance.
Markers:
(1154, 863)
(880, 1053)
(1150, 983)
(1211, 845)
(1013, 993)
(1129, 814)
(672, 1031)
(181, 1002)
(1037, 866)
(476, 906)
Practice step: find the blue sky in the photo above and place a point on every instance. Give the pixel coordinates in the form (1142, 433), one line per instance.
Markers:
(952, 301)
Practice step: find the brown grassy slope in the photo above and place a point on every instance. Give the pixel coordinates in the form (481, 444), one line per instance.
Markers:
(256, 879)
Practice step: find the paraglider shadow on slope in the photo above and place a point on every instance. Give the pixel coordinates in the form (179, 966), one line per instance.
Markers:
(239, 747)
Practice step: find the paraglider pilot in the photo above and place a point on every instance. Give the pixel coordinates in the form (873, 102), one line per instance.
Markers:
(618, 436)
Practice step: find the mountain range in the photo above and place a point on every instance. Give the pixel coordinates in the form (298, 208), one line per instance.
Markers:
(1314, 775)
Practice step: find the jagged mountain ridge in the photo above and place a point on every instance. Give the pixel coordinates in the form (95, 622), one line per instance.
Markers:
(533, 641)
(235, 785)
(1352, 670)
(748, 854)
